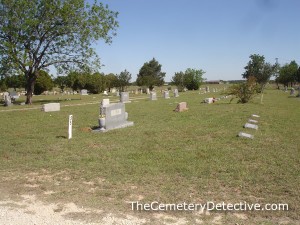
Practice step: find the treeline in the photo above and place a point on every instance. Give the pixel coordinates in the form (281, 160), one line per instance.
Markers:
(94, 82)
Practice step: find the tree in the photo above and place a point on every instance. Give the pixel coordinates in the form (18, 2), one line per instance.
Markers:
(111, 81)
(243, 91)
(193, 78)
(37, 34)
(150, 75)
(260, 70)
(15, 81)
(288, 74)
(123, 80)
(43, 83)
(177, 80)
(61, 81)
(94, 83)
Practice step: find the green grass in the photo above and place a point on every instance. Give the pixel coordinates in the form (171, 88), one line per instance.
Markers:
(193, 156)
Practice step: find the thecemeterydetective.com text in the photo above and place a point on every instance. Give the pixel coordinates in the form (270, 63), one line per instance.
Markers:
(208, 206)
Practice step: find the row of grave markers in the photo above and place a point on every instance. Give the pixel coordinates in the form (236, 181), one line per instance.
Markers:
(251, 124)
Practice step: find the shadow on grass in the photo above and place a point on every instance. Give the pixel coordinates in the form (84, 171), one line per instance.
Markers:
(61, 136)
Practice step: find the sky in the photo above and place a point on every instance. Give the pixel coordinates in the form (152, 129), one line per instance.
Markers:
(217, 36)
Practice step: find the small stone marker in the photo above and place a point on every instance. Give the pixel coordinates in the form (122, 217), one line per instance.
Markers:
(245, 135)
(105, 102)
(83, 92)
(148, 91)
(166, 95)
(51, 107)
(7, 99)
(176, 93)
(124, 97)
(252, 126)
(182, 106)
(70, 126)
(252, 121)
(257, 116)
(209, 100)
(153, 95)
(105, 92)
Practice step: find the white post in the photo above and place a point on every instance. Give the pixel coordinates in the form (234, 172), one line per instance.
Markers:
(70, 126)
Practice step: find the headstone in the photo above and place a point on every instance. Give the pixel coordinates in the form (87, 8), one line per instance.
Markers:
(182, 106)
(83, 92)
(176, 93)
(105, 92)
(207, 89)
(117, 93)
(51, 107)
(166, 95)
(148, 91)
(245, 135)
(285, 88)
(7, 99)
(141, 91)
(136, 91)
(256, 116)
(209, 100)
(13, 95)
(292, 91)
(252, 121)
(124, 97)
(105, 102)
(153, 95)
(252, 126)
(115, 117)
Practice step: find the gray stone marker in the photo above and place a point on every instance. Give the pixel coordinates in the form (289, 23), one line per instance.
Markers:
(124, 97)
(148, 91)
(83, 92)
(13, 95)
(256, 116)
(252, 121)
(166, 95)
(51, 107)
(182, 106)
(176, 93)
(115, 117)
(245, 135)
(252, 126)
(7, 99)
(117, 93)
(153, 95)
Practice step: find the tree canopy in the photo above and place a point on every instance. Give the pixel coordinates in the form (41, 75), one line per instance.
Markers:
(150, 74)
(288, 73)
(190, 79)
(36, 34)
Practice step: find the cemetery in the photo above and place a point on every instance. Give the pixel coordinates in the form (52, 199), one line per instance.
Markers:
(200, 142)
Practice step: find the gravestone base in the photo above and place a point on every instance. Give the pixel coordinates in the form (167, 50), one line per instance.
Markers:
(122, 125)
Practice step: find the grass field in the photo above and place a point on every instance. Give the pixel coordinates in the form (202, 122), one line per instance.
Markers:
(193, 156)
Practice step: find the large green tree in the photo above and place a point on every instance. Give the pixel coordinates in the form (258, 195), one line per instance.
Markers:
(43, 83)
(37, 34)
(288, 74)
(150, 75)
(178, 80)
(260, 70)
(193, 78)
(123, 80)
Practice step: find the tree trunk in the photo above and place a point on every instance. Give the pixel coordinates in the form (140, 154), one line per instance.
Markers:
(29, 88)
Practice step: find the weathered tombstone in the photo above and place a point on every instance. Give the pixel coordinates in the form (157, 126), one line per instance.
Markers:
(136, 91)
(256, 116)
(148, 91)
(105, 102)
(245, 135)
(292, 92)
(209, 100)
(115, 117)
(117, 93)
(105, 92)
(7, 99)
(182, 106)
(176, 93)
(51, 107)
(252, 126)
(124, 97)
(166, 95)
(153, 95)
(252, 121)
(83, 92)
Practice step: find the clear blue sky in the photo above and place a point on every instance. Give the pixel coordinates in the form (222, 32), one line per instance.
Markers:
(217, 36)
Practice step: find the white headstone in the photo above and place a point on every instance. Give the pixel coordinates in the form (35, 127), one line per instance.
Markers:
(257, 116)
(51, 107)
(252, 121)
(242, 134)
(105, 102)
(252, 126)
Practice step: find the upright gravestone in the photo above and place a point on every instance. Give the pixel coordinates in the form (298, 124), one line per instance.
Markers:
(51, 107)
(166, 95)
(114, 116)
(153, 95)
(176, 93)
(148, 91)
(124, 97)
(83, 92)
(182, 106)
(7, 99)
(117, 93)
(207, 89)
